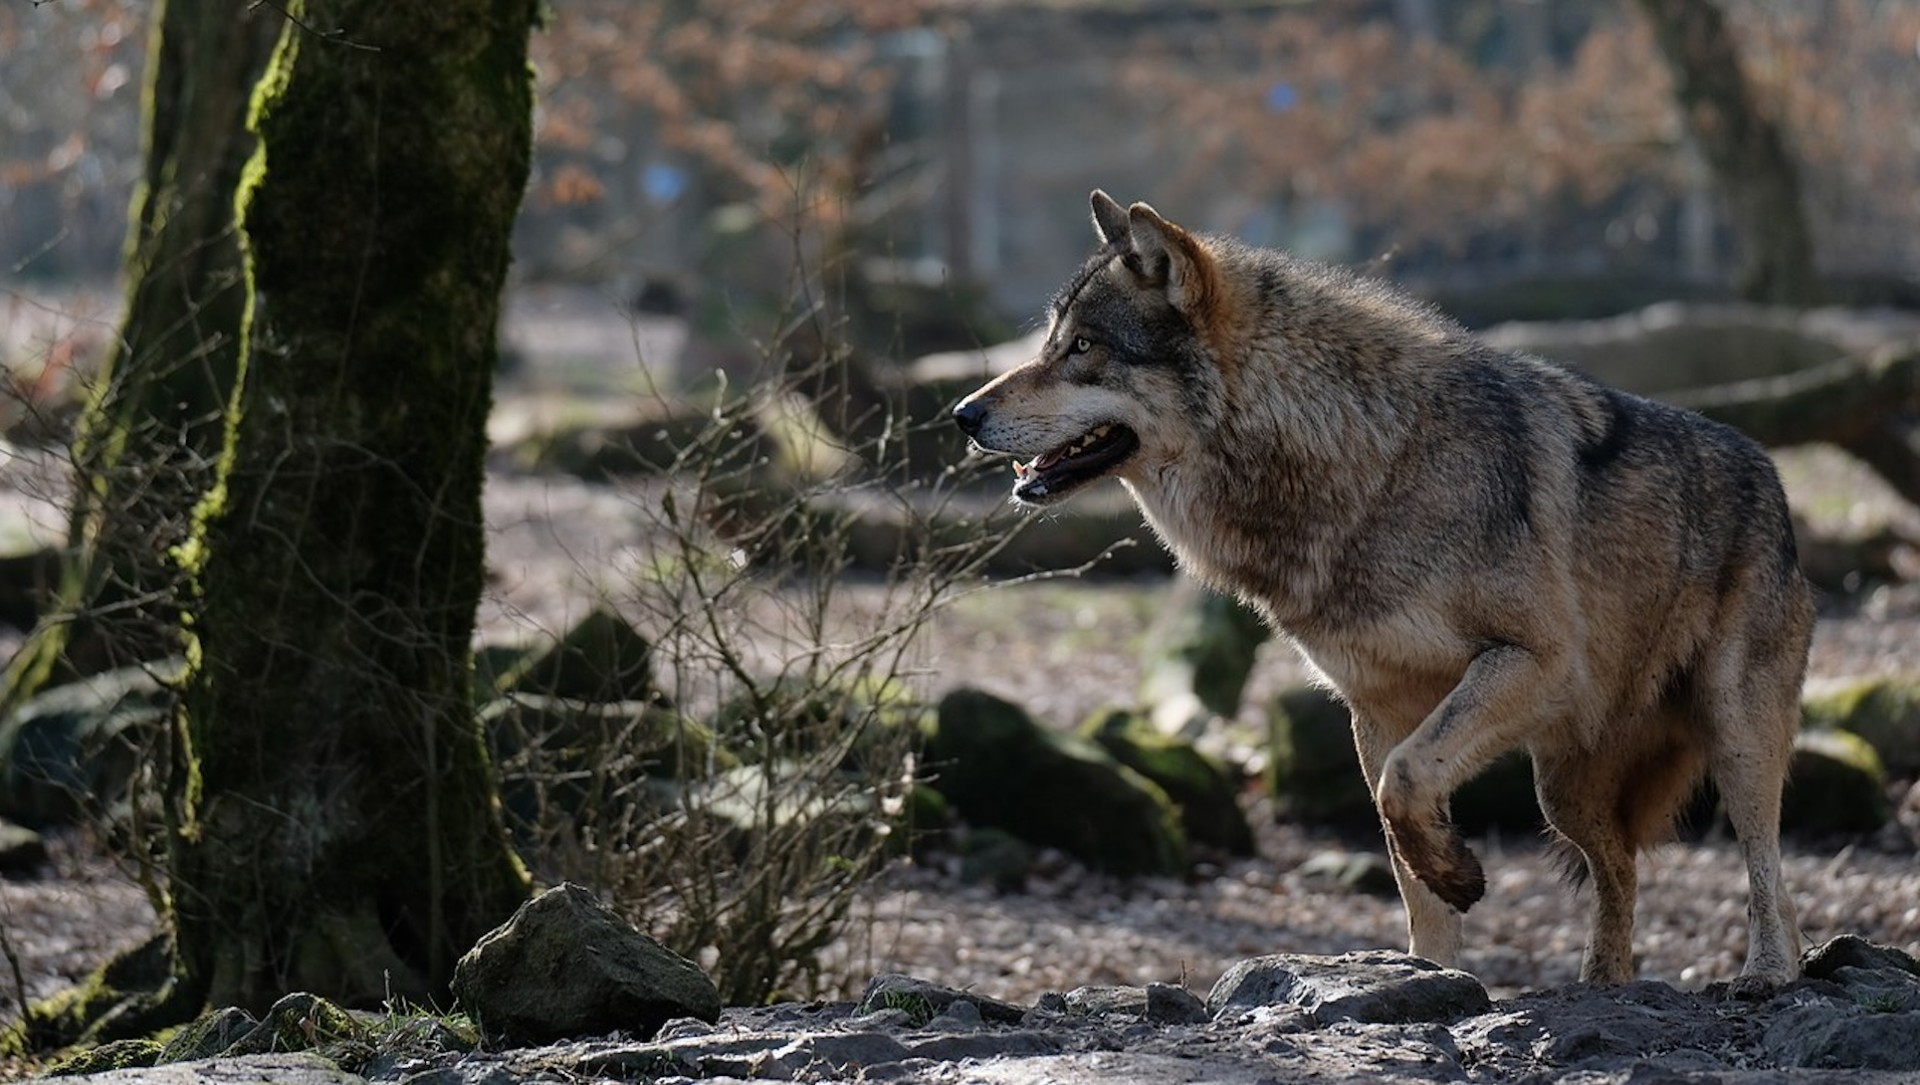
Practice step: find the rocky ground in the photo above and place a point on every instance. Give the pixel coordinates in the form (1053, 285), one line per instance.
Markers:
(1063, 648)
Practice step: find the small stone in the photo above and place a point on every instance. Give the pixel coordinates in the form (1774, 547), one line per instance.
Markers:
(924, 1001)
(1168, 1004)
(961, 1015)
(212, 1034)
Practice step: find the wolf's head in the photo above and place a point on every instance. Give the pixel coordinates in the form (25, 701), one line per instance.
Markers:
(1128, 373)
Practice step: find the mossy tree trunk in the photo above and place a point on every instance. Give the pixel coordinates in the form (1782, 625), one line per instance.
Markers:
(152, 430)
(1743, 147)
(336, 823)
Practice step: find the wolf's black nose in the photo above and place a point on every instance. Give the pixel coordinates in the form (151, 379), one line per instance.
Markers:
(969, 415)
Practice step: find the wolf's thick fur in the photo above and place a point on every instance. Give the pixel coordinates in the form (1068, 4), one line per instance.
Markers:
(1481, 551)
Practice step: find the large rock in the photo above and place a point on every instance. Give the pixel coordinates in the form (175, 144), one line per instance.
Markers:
(1199, 654)
(1314, 774)
(1205, 792)
(565, 966)
(1376, 986)
(1883, 710)
(874, 720)
(71, 750)
(601, 659)
(22, 851)
(1312, 770)
(1835, 785)
(1002, 770)
(583, 759)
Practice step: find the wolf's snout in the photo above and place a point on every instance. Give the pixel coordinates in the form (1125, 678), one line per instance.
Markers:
(970, 415)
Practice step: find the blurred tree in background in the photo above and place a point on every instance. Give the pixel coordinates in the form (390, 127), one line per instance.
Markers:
(1750, 160)
(154, 426)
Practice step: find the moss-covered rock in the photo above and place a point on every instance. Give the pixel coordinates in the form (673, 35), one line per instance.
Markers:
(1314, 774)
(1001, 769)
(1500, 798)
(585, 759)
(1199, 655)
(22, 851)
(995, 857)
(301, 1022)
(72, 749)
(1312, 770)
(113, 1055)
(1204, 791)
(208, 1035)
(1836, 785)
(601, 659)
(925, 818)
(128, 997)
(1884, 710)
(872, 721)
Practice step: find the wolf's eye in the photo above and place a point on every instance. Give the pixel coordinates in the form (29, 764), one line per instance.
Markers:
(1081, 344)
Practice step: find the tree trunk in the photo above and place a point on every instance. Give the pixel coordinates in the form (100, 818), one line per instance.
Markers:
(1745, 149)
(337, 829)
(152, 431)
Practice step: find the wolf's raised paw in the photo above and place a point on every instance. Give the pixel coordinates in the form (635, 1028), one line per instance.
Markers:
(1446, 865)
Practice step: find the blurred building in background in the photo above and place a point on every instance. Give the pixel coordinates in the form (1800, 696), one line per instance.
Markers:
(695, 155)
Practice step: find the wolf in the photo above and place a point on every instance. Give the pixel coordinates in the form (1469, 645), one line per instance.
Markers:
(1479, 551)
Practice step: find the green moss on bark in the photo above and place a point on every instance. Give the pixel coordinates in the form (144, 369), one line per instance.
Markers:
(338, 829)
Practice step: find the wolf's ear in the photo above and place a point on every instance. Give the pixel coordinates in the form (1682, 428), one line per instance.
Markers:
(1110, 220)
(1168, 257)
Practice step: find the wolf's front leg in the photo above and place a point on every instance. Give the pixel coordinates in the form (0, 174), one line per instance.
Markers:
(1433, 926)
(1497, 704)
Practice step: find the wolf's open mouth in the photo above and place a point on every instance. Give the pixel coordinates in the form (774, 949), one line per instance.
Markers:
(1054, 474)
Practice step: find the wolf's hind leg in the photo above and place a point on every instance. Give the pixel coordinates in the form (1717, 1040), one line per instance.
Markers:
(1749, 702)
(1749, 764)
(1433, 925)
(1580, 796)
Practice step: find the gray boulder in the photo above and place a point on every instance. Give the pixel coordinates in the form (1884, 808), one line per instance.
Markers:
(1156, 1003)
(1373, 986)
(565, 965)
